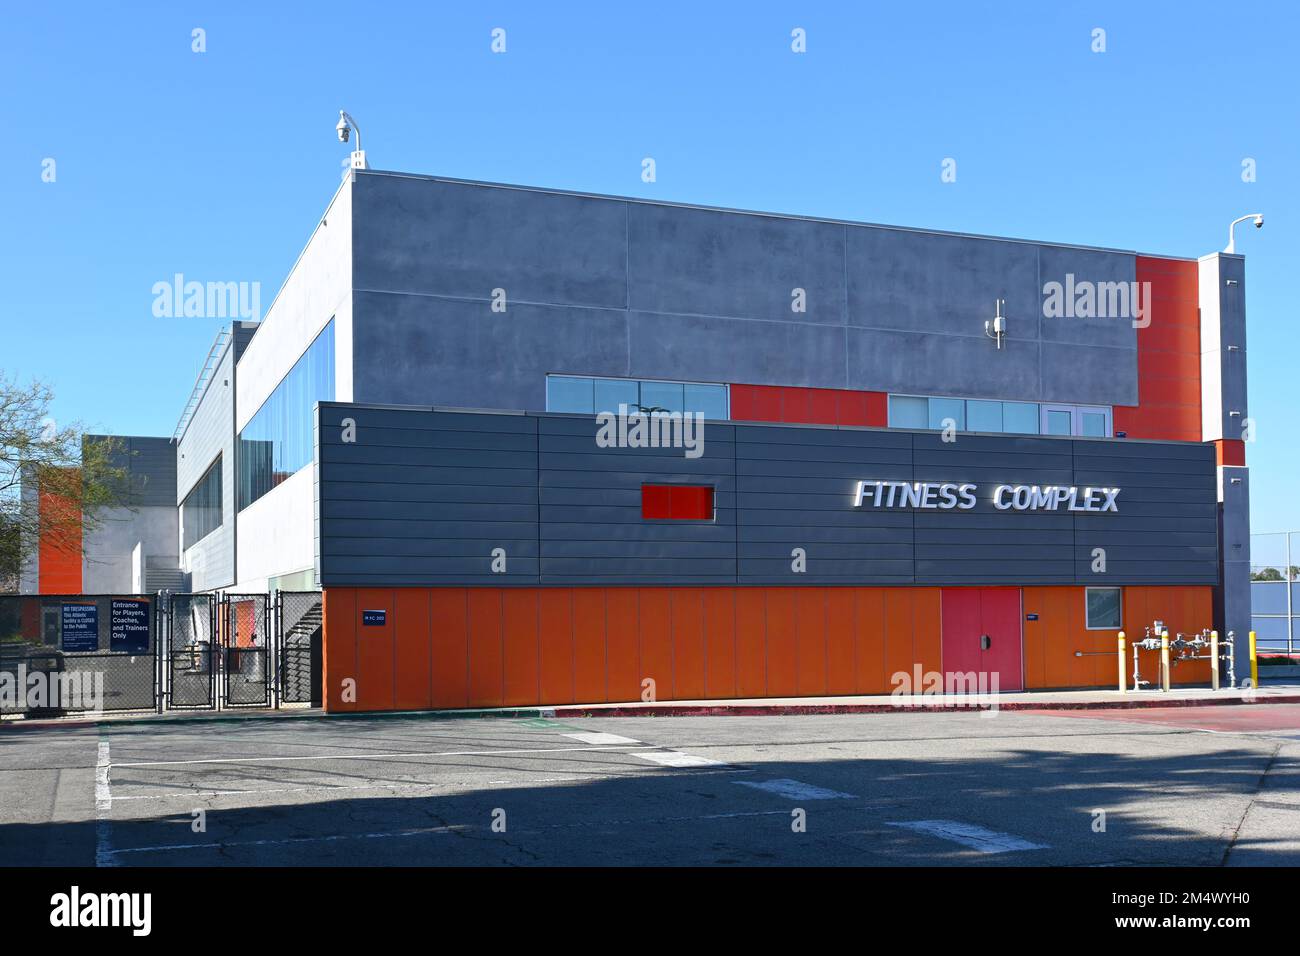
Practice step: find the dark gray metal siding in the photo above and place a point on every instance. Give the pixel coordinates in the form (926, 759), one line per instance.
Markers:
(422, 497)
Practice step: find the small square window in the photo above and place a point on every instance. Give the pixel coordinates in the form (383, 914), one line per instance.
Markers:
(906, 411)
(1104, 609)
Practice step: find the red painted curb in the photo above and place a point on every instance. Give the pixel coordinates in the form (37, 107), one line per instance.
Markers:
(780, 710)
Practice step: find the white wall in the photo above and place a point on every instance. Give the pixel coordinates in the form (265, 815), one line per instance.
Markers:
(319, 287)
(277, 533)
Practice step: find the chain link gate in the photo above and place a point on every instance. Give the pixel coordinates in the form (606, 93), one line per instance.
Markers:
(192, 663)
(244, 621)
(298, 654)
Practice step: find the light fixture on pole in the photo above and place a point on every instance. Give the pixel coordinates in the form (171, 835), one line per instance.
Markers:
(346, 125)
(996, 327)
(1231, 247)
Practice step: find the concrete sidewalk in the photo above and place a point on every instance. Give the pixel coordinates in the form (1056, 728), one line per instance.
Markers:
(1273, 693)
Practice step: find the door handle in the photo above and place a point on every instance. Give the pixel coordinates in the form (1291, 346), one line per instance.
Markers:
(985, 642)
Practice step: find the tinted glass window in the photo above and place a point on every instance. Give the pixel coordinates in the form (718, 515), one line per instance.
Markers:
(1020, 418)
(943, 409)
(281, 438)
(908, 412)
(1103, 608)
(611, 393)
(984, 416)
(709, 400)
(201, 509)
(565, 394)
(668, 396)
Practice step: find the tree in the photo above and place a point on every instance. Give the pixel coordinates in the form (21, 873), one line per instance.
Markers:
(1266, 574)
(54, 483)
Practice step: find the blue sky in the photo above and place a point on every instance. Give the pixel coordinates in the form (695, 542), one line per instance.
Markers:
(217, 165)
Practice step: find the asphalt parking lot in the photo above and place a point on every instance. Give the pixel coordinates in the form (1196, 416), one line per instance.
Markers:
(1193, 786)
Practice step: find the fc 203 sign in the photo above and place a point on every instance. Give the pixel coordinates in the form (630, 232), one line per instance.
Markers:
(947, 496)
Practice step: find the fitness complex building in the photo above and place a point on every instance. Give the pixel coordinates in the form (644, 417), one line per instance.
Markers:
(880, 484)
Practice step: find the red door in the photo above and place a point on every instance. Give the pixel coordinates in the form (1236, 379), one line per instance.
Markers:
(981, 634)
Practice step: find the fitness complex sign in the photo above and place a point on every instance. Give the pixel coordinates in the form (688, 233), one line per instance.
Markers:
(948, 496)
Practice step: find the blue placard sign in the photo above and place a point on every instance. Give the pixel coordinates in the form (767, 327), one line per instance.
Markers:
(129, 630)
(374, 618)
(80, 627)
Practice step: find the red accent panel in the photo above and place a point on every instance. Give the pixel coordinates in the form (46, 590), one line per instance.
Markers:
(59, 550)
(656, 502)
(1230, 451)
(677, 502)
(1169, 356)
(809, 406)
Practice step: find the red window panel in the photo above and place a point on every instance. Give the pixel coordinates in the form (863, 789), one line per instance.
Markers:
(677, 502)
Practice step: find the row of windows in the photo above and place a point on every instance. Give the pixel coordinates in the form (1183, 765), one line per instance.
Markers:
(201, 511)
(591, 396)
(280, 438)
(1016, 418)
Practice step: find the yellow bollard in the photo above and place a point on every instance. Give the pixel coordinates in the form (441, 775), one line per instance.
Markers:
(1254, 663)
(1164, 660)
(1123, 680)
(1214, 660)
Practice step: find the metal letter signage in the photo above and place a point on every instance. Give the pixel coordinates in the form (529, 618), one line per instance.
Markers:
(946, 496)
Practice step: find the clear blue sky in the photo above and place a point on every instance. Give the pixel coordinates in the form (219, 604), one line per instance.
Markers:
(218, 164)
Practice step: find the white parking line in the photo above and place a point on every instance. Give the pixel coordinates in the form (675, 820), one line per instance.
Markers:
(967, 834)
(374, 756)
(601, 739)
(674, 758)
(103, 808)
(795, 790)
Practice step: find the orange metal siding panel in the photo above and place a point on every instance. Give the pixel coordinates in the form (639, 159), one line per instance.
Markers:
(589, 645)
(899, 651)
(782, 658)
(486, 650)
(58, 569)
(751, 642)
(519, 642)
(375, 656)
(810, 641)
(1032, 601)
(339, 651)
(623, 653)
(413, 650)
(841, 662)
(656, 640)
(869, 631)
(556, 646)
(687, 611)
(927, 628)
(449, 626)
(719, 642)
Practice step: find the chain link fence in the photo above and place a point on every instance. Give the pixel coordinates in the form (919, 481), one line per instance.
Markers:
(1275, 591)
(298, 616)
(78, 653)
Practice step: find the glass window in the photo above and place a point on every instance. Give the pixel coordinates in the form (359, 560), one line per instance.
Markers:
(709, 400)
(666, 396)
(613, 392)
(1058, 421)
(1103, 609)
(565, 394)
(908, 412)
(281, 438)
(201, 509)
(1020, 418)
(942, 409)
(1092, 423)
(984, 416)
